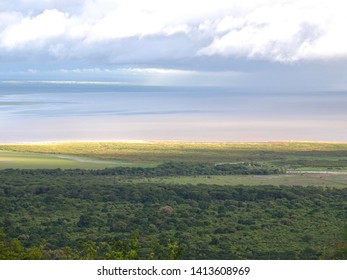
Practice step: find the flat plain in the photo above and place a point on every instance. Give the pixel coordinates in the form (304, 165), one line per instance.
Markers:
(296, 157)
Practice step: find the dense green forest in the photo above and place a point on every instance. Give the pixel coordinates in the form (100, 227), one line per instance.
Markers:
(101, 214)
(165, 169)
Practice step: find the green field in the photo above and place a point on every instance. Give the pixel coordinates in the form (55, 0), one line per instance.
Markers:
(302, 156)
(31, 160)
(297, 156)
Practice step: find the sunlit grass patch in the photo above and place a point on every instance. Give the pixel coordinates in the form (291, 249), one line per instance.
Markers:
(29, 160)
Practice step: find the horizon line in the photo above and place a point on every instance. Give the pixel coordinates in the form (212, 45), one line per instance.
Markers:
(140, 141)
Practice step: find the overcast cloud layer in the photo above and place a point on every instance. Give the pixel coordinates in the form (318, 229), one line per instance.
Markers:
(90, 35)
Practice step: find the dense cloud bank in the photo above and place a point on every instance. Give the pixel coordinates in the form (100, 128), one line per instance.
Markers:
(134, 31)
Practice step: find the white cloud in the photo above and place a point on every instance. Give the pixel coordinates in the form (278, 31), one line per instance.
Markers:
(8, 18)
(124, 23)
(284, 31)
(275, 30)
(47, 25)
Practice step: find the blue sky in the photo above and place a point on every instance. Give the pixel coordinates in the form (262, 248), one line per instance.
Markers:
(263, 44)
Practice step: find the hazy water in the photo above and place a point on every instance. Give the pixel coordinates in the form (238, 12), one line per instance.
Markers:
(58, 111)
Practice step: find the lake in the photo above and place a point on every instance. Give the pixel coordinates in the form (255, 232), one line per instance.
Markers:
(86, 111)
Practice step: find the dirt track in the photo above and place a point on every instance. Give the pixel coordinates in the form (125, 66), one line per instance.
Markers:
(316, 172)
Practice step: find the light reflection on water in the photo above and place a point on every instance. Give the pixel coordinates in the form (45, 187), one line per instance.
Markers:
(48, 112)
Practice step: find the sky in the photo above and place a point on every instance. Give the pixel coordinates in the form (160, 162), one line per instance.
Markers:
(256, 45)
(190, 70)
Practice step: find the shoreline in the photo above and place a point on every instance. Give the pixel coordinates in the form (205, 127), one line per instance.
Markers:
(138, 141)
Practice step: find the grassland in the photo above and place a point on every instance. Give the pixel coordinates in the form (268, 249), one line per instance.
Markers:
(303, 156)
(299, 156)
(31, 160)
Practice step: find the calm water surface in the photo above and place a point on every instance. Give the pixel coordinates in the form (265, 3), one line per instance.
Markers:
(36, 111)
